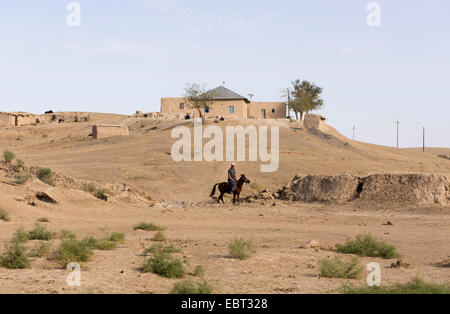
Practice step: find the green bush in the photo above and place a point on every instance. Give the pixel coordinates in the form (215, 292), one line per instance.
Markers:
(101, 194)
(66, 234)
(20, 236)
(191, 287)
(165, 265)
(41, 249)
(338, 268)
(116, 237)
(21, 180)
(20, 162)
(90, 242)
(105, 245)
(14, 256)
(40, 232)
(241, 249)
(8, 156)
(415, 286)
(4, 215)
(148, 226)
(159, 248)
(199, 271)
(72, 251)
(91, 187)
(159, 237)
(366, 245)
(46, 176)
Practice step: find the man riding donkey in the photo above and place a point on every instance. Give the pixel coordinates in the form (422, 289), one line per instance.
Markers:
(233, 186)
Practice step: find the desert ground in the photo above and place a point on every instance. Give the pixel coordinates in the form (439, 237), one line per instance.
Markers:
(176, 195)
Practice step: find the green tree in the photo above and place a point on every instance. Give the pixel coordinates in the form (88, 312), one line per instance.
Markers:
(304, 97)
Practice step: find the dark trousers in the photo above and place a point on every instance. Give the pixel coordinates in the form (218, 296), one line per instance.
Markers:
(233, 185)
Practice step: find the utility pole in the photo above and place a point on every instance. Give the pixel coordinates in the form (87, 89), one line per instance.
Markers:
(423, 137)
(289, 102)
(354, 128)
(398, 125)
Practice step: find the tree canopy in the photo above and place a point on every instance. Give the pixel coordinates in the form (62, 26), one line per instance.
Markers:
(304, 97)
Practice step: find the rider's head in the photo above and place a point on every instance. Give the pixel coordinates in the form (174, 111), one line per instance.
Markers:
(233, 165)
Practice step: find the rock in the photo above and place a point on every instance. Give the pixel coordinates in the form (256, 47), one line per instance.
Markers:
(313, 244)
(402, 263)
(44, 197)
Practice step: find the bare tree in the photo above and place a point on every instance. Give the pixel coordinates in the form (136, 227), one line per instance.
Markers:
(197, 97)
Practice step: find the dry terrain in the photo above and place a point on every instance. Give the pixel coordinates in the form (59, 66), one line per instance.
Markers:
(176, 195)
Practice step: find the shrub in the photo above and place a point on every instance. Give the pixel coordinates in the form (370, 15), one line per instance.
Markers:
(191, 287)
(20, 162)
(241, 249)
(91, 187)
(165, 265)
(148, 226)
(105, 245)
(159, 248)
(159, 237)
(20, 180)
(101, 194)
(8, 156)
(14, 256)
(366, 245)
(66, 234)
(40, 232)
(46, 176)
(20, 236)
(337, 268)
(198, 271)
(116, 237)
(71, 251)
(4, 215)
(41, 249)
(90, 242)
(415, 286)
(43, 219)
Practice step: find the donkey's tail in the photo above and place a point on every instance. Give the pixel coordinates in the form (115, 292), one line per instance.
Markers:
(214, 190)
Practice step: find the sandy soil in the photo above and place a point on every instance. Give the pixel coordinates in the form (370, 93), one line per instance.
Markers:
(200, 227)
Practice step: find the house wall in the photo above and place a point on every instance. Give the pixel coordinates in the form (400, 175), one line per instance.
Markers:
(274, 110)
(7, 120)
(218, 108)
(105, 130)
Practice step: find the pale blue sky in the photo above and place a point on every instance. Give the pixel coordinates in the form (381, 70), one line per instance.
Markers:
(128, 54)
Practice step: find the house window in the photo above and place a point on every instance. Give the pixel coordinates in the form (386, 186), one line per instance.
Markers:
(206, 109)
(273, 110)
(181, 105)
(231, 109)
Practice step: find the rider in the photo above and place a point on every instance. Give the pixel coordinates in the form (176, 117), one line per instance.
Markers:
(232, 177)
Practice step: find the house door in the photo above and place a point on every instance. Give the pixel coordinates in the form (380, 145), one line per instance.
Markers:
(263, 113)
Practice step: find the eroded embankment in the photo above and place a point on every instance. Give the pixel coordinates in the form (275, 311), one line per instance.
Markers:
(399, 189)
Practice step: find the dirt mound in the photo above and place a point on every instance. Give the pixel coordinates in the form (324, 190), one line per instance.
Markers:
(112, 192)
(406, 189)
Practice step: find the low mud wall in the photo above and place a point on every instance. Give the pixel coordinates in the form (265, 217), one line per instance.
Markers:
(107, 130)
(406, 189)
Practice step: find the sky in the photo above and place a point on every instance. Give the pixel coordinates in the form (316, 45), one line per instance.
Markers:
(126, 55)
